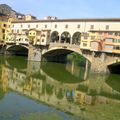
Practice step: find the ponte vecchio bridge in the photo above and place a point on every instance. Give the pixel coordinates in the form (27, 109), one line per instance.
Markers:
(97, 40)
(101, 62)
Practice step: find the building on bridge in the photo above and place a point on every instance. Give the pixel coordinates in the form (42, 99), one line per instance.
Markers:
(3, 26)
(89, 34)
(98, 40)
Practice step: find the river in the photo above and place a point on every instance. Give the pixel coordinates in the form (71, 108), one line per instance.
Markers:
(55, 91)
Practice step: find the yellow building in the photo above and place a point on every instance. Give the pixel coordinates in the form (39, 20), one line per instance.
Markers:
(3, 26)
(34, 35)
(39, 37)
(85, 41)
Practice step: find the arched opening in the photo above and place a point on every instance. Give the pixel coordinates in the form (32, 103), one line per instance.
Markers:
(75, 64)
(18, 50)
(57, 55)
(76, 38)
(65, 37)
(54, 37)
(114, 68)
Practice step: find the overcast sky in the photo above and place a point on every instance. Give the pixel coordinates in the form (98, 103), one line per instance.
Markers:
(67, 8)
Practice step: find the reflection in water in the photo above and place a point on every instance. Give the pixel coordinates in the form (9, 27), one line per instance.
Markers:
(63, 86)
(114, 82)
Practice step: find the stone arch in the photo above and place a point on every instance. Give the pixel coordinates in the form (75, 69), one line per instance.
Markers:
(23, 46)
(76, 38)
(61, 50)
(114, 67)
(65, 37)
(17, 49)
(54, 36)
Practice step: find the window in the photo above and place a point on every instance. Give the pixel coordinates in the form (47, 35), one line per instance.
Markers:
(3, 37)
(33, 33)
(100, 33)
(110, 33)
(12, 26)
(117, 47)
(37, 26)
(21, 26)
(17, 31)
(78, 26)
(4, 25)
(42, 40)
(92, 27)
(43, 35)
(85, 35)
(92, 37)
(45, 26)
(84, 44)
(117, 33)
(108, 47)
(3, 30)
(66, 26)
(107, 27)
(28, 26)
(55, 26)
(109, 40)
(115, 40)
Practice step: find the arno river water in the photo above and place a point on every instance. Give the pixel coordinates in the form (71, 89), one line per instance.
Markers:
(54, 91)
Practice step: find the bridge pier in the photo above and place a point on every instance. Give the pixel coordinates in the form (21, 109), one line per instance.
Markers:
(34, 53)
(99, 63)
(2, 49)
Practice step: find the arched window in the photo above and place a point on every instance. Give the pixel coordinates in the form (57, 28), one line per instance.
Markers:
(54, 36)
(65, 37)
(76, 38)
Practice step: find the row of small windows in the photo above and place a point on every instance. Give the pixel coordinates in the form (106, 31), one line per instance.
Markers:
(92, 27)
(116, 47)
(66, 26)
(116, 40)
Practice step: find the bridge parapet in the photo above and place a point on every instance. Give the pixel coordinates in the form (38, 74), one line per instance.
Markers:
(63, 45)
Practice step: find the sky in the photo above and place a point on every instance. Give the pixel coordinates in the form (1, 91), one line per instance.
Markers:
(64, 9)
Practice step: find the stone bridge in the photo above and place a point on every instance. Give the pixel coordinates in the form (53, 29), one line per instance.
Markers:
(100, 62)
(56, 49)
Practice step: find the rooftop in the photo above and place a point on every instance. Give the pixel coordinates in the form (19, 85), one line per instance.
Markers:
(74, 20)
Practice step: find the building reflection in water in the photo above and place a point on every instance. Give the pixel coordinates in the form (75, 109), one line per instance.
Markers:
(84, 98)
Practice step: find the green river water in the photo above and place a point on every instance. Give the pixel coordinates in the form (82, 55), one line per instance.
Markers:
(55, 91)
